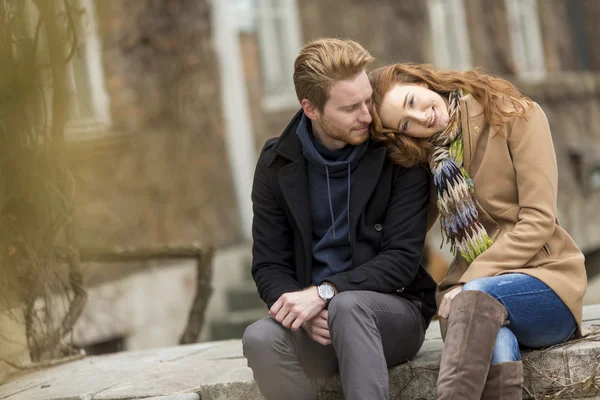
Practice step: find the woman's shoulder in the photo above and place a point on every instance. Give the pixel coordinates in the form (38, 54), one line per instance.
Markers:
(517, 107)
(508, 106)
(525, 120)
(518, 113)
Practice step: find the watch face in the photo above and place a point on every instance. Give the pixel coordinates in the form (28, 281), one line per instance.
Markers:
(326, 291)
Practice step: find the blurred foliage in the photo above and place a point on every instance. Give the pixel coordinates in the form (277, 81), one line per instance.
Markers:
(38, 253)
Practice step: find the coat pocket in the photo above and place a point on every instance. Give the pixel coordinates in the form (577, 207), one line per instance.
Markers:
(546, 250)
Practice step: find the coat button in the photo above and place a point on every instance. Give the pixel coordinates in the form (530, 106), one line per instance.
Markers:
(476, 128)
(378, 227)
(400, 290)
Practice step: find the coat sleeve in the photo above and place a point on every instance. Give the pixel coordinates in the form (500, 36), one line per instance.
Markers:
(534, 160)
(273, 266)
(404, 230)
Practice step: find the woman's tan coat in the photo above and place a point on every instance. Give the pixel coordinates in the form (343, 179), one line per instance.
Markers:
(514, 171)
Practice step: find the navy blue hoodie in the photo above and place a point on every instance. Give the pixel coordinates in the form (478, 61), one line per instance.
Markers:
(330, 182)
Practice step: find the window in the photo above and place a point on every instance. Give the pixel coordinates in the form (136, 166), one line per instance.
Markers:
(449, 35)
(89, 103)
(90, 110)
(526, 38)
(276, 23)
(245, 15)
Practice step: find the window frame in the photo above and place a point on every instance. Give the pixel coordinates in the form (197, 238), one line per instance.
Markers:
(526, 40)
(90, 72)
(278, 33)
(448, 31)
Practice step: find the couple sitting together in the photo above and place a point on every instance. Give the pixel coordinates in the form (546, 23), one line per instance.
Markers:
(343, 200)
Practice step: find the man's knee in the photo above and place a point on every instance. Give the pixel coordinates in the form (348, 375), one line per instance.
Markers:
(262, 336)
(345, 304)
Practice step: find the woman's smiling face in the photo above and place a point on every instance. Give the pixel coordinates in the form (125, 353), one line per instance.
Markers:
(414, 110)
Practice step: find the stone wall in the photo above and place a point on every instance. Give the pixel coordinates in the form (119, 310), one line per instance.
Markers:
(160, 176)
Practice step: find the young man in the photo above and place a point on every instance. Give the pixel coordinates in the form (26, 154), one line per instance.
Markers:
(338, 236)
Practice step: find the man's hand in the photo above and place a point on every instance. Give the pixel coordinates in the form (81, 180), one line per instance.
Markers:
(444, 310)
(318, 329)
(295, 308)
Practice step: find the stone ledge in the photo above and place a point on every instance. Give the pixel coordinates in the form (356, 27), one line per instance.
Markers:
(567, 370)
(218, 371)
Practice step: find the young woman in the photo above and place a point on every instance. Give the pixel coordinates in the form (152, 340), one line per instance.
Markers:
(517, 277)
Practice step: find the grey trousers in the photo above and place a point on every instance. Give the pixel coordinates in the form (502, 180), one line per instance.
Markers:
(370, 332)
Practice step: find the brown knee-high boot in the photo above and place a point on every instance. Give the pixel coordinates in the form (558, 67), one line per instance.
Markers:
(504, 382)
(473, 324)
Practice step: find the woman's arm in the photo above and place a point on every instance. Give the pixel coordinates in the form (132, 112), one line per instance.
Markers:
(534, 161)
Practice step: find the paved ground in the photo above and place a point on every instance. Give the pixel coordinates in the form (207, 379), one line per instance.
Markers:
(217, 371)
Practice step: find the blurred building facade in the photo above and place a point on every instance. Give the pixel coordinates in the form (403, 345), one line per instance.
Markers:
(195, 88)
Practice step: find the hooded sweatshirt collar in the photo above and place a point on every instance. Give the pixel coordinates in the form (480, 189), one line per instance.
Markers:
(335, 164)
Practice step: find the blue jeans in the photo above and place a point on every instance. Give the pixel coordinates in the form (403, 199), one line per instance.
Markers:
(537, 316)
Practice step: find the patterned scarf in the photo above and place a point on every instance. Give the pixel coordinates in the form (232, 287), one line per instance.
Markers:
(455, 189)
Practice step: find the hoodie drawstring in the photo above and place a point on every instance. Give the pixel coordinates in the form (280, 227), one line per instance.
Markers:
(348, 207)
(330, 204)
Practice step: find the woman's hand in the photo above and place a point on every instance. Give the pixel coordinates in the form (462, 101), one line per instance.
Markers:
(444, 310)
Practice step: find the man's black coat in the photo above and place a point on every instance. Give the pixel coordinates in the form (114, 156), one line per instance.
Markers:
(388, 223)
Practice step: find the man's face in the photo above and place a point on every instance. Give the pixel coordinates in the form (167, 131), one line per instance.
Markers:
(345, 118)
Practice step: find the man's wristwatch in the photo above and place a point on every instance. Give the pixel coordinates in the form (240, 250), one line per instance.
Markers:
(326, 292)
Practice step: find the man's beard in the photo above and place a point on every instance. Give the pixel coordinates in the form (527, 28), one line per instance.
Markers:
(331, 130)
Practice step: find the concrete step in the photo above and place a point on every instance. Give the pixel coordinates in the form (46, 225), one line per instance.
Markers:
(244, 298)
(218, 370)
(233, 325)
(246, 266)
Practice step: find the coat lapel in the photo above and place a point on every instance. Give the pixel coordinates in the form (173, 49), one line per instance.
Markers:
(473, 124)
(366, 177)
(293, 181)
